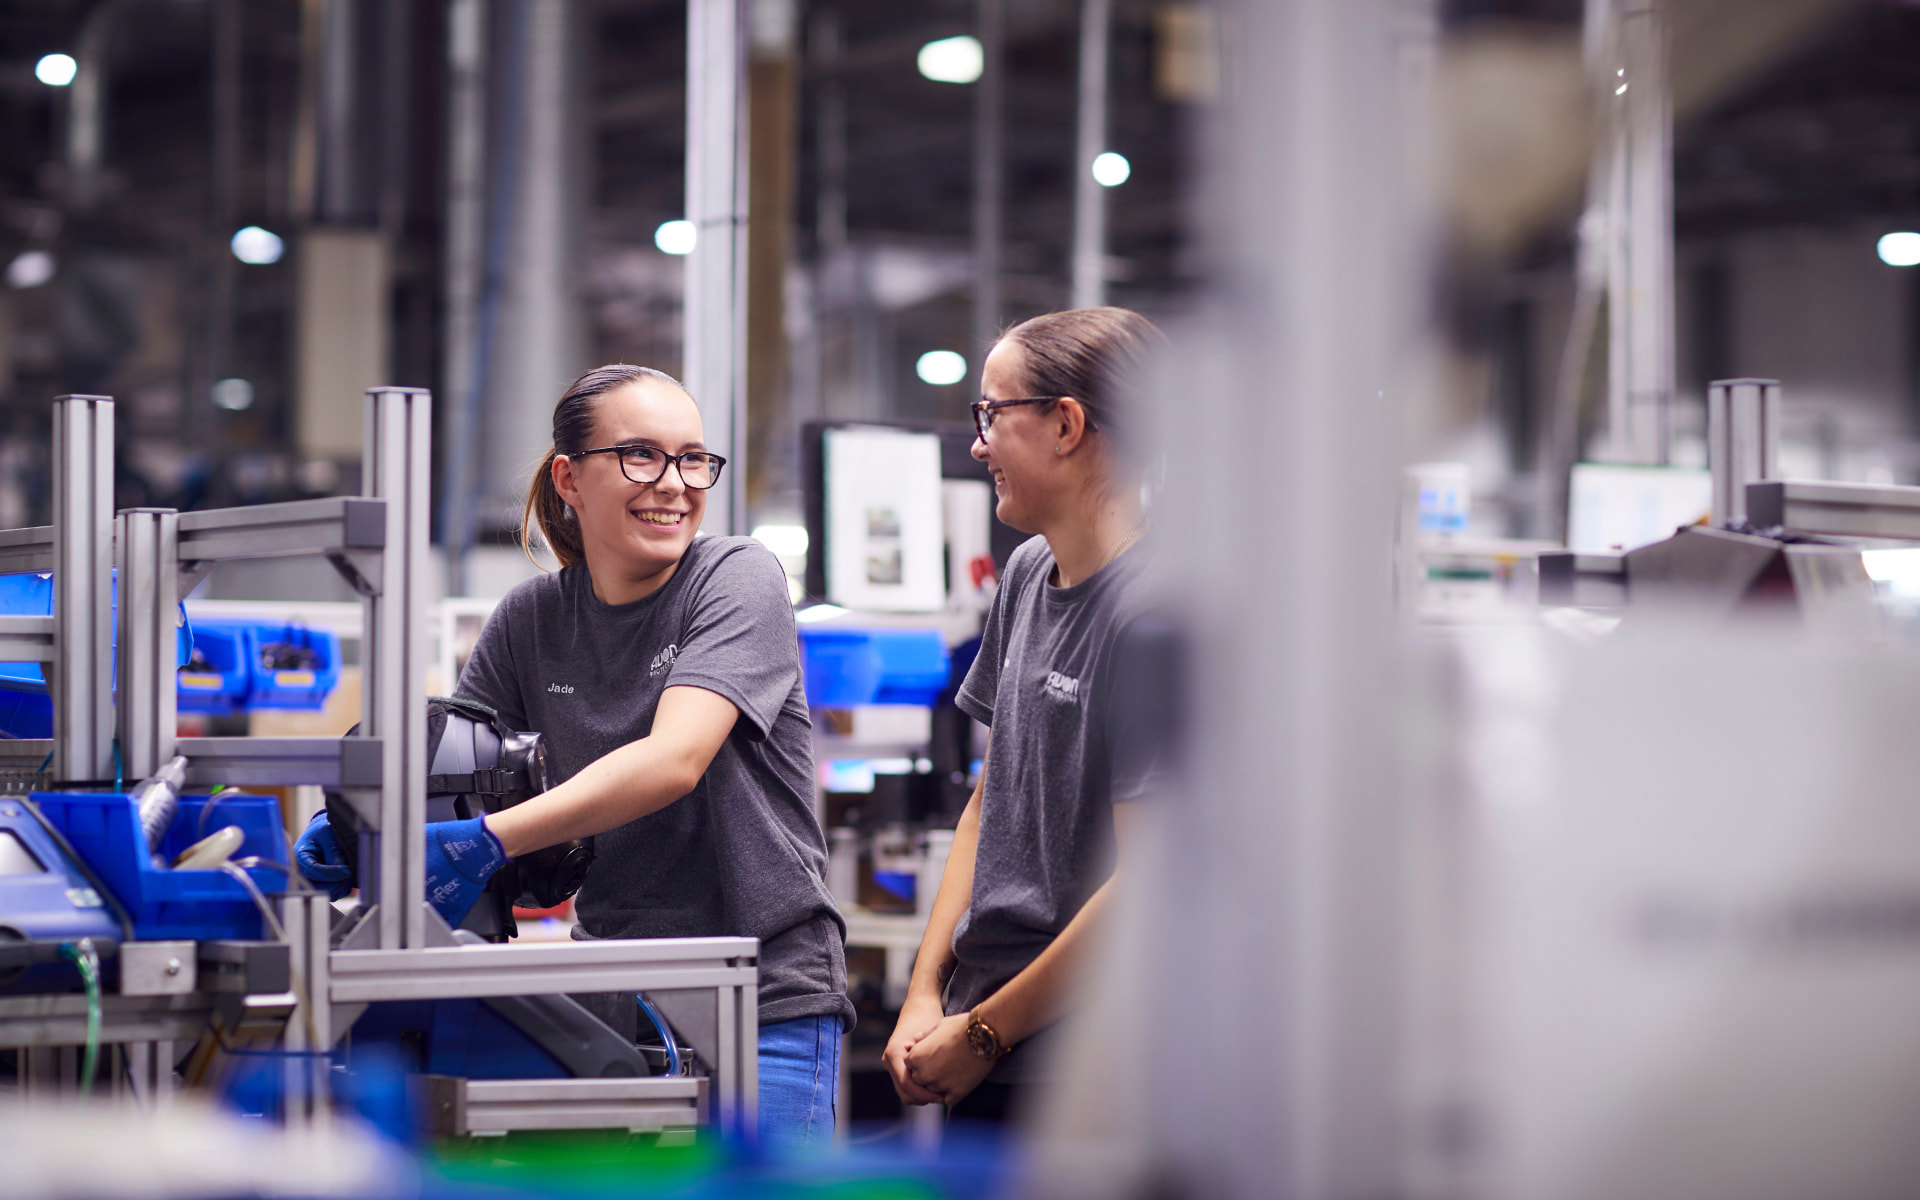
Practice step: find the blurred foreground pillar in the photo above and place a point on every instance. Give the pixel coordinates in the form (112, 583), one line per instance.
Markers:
(1244, 1036)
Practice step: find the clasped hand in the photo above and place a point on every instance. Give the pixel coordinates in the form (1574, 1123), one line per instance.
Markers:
(929, 1059)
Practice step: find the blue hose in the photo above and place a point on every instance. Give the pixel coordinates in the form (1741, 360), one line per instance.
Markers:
(666, 1033)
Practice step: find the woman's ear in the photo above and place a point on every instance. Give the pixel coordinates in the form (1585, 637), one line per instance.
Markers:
(563, 481)
(1069, 424)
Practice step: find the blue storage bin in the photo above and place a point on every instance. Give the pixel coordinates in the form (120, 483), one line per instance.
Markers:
(849, 667)
(104, 829)
(26, 711)
(304, 683)
(220, 678)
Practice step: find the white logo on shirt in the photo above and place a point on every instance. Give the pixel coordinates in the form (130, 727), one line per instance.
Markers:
(662, 660)
(560, 689)
(1064, 687)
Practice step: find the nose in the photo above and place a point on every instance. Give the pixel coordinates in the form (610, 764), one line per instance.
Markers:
(979, 447)
(672, 473)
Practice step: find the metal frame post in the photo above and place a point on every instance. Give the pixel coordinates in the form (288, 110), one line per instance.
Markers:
(1640, 215)
(714, 354)
(148, 550)
(989, 193)
(396, 469)
(1089, 198)
(82, 588)
(1743, 442)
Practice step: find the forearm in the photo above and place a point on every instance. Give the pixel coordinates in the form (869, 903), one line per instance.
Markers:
(637, 779)
(934, 963)
(1038, 994)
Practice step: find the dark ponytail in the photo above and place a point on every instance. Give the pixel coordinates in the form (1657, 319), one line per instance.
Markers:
(573, 421)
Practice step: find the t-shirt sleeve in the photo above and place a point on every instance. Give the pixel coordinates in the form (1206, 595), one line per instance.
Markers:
(982, 684)
(489, 675)
(741, 641)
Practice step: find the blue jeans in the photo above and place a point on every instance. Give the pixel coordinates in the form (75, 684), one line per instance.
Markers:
(799, 1081)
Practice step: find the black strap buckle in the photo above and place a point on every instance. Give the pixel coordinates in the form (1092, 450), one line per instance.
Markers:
(495, 781)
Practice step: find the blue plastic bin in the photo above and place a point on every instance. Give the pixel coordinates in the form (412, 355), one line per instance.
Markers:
(105, 831)
(222, 684)
(299, 688)
(26, 711)
(849, 667)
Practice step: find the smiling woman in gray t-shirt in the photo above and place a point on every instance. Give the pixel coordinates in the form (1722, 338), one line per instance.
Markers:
(1034, 851)
(664, 675)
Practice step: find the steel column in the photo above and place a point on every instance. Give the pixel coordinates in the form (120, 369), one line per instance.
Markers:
(1743, 442)
(149, 621)
(1089, 198)
(82, 597)
(989, 199)
(716, 292)
(396, 469)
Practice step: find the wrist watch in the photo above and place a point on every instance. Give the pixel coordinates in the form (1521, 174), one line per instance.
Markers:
(981, 1038)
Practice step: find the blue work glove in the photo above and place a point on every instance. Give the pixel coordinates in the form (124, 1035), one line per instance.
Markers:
(461, 857)
(317, 855)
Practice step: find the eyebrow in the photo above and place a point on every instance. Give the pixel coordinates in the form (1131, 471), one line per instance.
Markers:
(658, 445)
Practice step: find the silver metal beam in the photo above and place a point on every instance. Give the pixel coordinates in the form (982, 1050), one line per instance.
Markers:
(275, 530)
(464, 1107)
(61, 1020)
(149, 620)
(526, 969)
(989, 193)
(26, 639)
(1862, 510)
(23, 550)
(1640, 261)
(1743, 442)
(353, 762)
(396, 469)
(83, 579)
(714, 356)
(1089, 198)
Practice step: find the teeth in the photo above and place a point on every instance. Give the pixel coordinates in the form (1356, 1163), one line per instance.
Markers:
(660, 518)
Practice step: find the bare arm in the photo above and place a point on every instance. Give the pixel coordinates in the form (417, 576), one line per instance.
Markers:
(689, 727)
(941, 1064)
(1038, 994)
(934, 963)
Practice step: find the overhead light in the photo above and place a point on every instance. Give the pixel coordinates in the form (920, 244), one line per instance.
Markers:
(55, 70)
(941, 367)
(256, 247)
(787, 541)
(30, 269)
(676, 237)
(1900, 249)
(952, 60)
(1111, 170)
(234, 395)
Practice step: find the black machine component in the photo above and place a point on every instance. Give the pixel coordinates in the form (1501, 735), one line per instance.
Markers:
(477, 765)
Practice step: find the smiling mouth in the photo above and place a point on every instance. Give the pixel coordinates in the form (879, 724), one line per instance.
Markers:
(661, 518)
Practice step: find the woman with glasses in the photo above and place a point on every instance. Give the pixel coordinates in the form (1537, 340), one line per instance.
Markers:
(1033, 854)
(663, 672)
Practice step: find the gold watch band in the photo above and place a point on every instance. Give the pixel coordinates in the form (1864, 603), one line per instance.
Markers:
(983, 1039)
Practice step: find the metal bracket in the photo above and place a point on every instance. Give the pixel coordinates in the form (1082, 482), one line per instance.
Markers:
(364, 571)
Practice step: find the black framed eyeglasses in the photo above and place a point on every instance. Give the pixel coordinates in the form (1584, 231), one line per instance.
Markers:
(699, 470)
(983, 410)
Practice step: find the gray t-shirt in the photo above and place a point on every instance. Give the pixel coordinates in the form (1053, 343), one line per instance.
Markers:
(1044, 682)
(742, 854)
